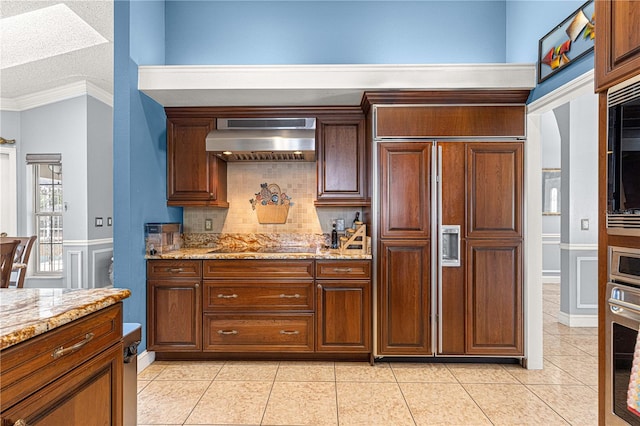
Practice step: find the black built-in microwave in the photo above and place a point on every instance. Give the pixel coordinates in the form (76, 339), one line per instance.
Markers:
(623, 158)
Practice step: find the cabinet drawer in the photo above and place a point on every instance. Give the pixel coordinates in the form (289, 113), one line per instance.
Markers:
(259, 269)
(343, 269)
(30, 365)
(258, 333)
(174, 269)
(258, 295)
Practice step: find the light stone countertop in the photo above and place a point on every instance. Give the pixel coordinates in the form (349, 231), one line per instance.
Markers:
(28, 312)
(205, 253)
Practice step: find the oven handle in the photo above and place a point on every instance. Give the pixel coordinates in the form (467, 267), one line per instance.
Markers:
(615, 304)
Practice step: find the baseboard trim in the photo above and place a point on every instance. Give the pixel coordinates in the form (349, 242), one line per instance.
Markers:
(145, 359)
(550, 279)
(578, 320)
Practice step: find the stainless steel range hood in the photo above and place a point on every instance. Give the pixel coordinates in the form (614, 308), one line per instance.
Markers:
(264, 139)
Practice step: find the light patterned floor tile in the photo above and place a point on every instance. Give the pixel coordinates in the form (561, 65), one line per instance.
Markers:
(507, 404)
(481, 373)
(422, 372)
(363, 372)
(585, 368)
(152, 371)
(302, 403)
(372, 404)
(576, 404)
(142, 384)
(166, 402)
(190, 371)
(585, 342)
(550, 374)
(232, 402)
(442, 404)
(306, 372)
(261, 371)
(554, 344)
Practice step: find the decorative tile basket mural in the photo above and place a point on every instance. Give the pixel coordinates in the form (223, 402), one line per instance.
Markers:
(567, 42)
(271, 204)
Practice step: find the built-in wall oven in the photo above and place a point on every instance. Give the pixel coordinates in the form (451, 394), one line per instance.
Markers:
(623, 158)
(622, 324)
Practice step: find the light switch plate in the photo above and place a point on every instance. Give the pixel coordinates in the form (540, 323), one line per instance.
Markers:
(584, 224)
(98, 221)
(208, 224)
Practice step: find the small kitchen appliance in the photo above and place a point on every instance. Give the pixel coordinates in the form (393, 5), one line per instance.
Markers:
(162, 237)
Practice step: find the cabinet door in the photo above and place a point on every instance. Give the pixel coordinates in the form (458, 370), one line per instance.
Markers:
(494, 190)
(341, 163)
(405, 190)
(343, 316)
(174, 315)
(90, 394)
(404, 303)
(617, 51)
(494, 298)
(195, 177)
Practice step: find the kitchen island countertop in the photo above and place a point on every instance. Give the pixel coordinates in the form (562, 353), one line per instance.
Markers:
(26, 312)
(211, 253)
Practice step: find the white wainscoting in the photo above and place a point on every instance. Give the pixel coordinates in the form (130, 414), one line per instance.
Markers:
(74, 276)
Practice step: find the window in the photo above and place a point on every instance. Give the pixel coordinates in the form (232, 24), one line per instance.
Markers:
(47, 169)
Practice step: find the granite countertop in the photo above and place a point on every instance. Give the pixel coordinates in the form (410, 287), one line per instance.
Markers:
(210, 253)
(26, 312)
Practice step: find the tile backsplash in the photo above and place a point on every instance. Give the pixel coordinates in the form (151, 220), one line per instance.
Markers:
(297, 180)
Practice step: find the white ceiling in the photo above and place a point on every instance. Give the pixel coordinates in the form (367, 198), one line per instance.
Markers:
(63, 63)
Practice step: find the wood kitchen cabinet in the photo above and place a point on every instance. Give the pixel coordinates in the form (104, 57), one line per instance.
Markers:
(256, 305)
(494, 189)
(341, 162)
(405, 190)
(195, 177)
(44, 384)
(494, 298)
(343, 306)
(617, 46)
(404, 298)
(174, 305)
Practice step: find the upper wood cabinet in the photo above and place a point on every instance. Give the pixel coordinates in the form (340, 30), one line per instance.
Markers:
(405, 188)
(195, 177)
(494, 190)
(617, 45)
(341, 162)
(415, 121)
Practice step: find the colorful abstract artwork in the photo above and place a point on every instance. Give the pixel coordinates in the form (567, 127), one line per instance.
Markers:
(567, 42)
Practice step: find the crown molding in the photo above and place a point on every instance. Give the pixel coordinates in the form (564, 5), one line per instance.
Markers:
(57, 94)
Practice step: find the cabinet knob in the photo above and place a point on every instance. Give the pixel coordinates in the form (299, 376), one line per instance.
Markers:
(320, 286)
(197, 285)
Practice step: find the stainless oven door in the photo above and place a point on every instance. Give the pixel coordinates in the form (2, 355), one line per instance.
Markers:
(622, 322)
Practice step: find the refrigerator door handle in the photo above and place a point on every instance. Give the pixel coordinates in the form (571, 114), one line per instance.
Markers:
(438, 241)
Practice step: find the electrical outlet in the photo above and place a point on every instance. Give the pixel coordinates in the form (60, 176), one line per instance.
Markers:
(208, 224)
(584, 224)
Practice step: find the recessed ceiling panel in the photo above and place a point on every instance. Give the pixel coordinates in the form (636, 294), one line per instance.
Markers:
(44, 33)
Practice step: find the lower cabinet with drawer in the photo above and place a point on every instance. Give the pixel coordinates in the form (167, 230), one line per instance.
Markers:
(300, 306)
(54, 378)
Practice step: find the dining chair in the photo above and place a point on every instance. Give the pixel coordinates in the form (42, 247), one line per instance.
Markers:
(21, 260)
(7, 253)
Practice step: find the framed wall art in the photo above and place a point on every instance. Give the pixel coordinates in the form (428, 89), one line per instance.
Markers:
(567, 42)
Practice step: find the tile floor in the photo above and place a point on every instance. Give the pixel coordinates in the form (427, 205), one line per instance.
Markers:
(390, 394)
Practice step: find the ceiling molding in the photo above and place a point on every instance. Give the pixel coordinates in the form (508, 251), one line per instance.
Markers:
(303, 85)
(57, 94)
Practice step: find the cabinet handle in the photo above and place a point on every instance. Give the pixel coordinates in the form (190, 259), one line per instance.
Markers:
(290, 296)
(289, 332)
(227, 332)
(20, 422)
(347, 270)
(227, 296)
(62, 351)
(174, 270)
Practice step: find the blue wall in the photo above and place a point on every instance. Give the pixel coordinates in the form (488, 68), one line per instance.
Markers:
(139, 151)
(334, 32)
(152, 32)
